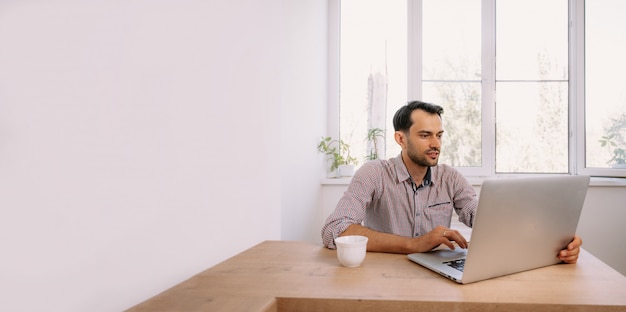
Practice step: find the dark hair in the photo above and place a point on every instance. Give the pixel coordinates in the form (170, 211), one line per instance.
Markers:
(402, 119)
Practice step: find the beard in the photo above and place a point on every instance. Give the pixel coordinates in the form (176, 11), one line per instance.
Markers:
(422, 159)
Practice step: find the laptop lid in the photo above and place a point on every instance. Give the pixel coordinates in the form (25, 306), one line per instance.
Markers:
(520, 224)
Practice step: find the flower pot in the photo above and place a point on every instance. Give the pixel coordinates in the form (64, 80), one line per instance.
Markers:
(345, 171)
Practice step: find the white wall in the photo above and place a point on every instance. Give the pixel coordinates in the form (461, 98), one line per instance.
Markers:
(139, 141)
(601, 225)
(303, 117)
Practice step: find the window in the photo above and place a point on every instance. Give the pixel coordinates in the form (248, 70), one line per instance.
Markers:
(604, 90)
(373, 69)
(451, 75)
(527, 86)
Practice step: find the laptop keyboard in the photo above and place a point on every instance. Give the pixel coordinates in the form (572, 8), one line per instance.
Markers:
(456, 264)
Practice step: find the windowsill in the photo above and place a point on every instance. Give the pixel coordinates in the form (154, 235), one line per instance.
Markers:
(336, 181)
(477, 181)
(600, 181)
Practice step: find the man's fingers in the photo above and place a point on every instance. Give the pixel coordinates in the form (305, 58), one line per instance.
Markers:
(454, 236)
(569, 256)
(458, 238)
(569, 259)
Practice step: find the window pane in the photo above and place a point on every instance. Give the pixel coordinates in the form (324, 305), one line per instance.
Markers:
(451, 40)
(451, 75)
(532, 86)
(461, 144)
(531, 39)
(373, 69)
(531, 127)
(605, 88)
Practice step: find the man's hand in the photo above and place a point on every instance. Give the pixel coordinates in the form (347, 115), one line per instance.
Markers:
(439, 235)
(570, 253)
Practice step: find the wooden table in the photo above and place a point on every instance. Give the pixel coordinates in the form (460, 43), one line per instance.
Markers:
(299, 276)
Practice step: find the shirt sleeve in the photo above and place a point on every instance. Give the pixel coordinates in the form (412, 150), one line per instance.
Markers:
(351, 207)
(465, 199)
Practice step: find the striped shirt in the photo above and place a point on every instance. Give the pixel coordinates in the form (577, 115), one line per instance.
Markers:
(383, 197)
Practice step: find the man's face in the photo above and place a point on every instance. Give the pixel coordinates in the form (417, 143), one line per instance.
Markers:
(424, 140)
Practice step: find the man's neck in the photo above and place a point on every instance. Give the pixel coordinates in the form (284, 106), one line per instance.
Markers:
(416, 172)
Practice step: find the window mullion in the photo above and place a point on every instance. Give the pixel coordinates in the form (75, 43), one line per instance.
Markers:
(488, 87)
(414, 34)
(334, 48)
(576, 103)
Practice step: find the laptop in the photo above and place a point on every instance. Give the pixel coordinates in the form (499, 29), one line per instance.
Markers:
(520, 224)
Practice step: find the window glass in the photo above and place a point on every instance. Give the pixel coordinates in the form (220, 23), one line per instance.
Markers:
(451, 40)
(532, 86)
(461, 143)
(605, 86)
(373, 64)
(531, 127)
(451, 75)
(531, 39)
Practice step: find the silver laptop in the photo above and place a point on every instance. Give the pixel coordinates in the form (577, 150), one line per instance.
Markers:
(520, 224)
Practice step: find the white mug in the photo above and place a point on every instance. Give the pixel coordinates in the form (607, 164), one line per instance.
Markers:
(351, 250)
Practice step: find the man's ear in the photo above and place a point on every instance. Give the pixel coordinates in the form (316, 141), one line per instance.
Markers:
(400, 138)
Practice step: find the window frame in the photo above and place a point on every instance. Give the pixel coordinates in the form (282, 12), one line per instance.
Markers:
(576, 89)
(577, 101)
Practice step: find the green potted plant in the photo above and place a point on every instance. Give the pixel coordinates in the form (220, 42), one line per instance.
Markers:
(618, 159)
(373, 137)
(615, 143)
(338, 153)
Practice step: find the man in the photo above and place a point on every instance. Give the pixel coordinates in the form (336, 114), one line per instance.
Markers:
(406, 203)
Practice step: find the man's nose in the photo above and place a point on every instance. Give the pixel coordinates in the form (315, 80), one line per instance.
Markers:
(435, 142)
